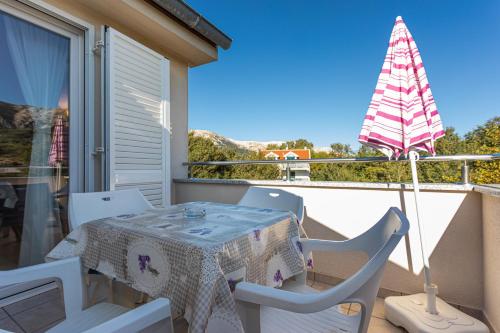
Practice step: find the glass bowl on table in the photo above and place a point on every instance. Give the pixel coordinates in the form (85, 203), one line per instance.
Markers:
(194, 213)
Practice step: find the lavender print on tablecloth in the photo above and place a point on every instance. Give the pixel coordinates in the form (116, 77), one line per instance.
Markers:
(232, 285)
(278, 278)
(143, 261)
(299, 246)
(310, 263)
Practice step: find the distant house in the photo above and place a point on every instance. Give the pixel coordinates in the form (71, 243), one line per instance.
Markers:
(298, 171)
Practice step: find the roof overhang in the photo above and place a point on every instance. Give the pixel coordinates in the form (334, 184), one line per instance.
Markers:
(145, 22)
(194, 21)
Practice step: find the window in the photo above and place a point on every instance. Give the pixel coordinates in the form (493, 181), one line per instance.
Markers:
(272, 156)
(39, 94)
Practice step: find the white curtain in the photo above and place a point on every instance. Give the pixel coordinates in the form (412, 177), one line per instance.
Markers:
(41, 63)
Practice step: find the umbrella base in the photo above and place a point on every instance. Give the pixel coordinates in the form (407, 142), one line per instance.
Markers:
(409, 312)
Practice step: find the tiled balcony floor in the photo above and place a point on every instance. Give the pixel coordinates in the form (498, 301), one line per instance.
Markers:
(38, 313)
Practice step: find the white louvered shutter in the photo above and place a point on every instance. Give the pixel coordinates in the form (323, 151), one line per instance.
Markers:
(138, 118)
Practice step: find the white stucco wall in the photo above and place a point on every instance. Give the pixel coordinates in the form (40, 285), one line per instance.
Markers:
(491, 253)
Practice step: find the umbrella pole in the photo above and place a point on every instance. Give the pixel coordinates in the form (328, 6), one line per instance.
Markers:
(58, 180)
(430, 288)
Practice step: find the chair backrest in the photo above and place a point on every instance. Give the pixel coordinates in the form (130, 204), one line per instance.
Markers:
(378, 242)
(264, 197)
(85, 207)
(393, 225)
(67, 270)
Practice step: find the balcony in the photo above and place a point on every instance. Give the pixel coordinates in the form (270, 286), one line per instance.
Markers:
(462, 231)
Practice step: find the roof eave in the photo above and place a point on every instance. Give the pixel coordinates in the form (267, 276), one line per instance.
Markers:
(193, 20)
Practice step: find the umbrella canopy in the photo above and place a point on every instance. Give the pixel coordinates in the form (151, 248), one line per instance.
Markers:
(403, 118)
(58, 152)
(402, 114)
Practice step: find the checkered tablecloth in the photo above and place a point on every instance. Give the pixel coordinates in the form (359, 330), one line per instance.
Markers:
(193, 261)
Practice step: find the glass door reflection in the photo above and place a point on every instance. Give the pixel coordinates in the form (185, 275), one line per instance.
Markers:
(34, 129)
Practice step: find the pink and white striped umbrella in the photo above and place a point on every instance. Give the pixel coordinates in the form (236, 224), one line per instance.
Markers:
(58, 153)
(402, 114)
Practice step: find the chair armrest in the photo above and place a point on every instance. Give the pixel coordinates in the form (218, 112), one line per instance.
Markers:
(308, 303)
(67, 270)
(284, 299)
(310, 245)
(138, 319)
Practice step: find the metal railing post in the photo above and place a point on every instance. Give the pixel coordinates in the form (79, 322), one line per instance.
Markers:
(465, 173)
(288, 173)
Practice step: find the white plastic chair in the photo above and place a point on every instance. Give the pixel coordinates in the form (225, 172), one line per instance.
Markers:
(89, 206)
(303, 309)
(85, 207)
(264, 197)
(101, 318)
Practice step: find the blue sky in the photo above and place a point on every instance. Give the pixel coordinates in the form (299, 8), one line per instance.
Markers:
(302, 69)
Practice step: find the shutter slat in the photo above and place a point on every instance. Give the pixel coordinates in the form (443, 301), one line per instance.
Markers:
(146, 88)
(135, 138)
(138, 155)
(139, 145)
(153, 129)
(135, 56)
(134, 118)
(138, 101)
(138, 63)
(143, 112)
(137, 165)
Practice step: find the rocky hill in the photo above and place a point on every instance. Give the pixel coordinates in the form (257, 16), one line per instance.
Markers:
(14, 116)
(223, 141)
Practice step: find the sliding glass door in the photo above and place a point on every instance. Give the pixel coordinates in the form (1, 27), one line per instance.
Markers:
(39, 94)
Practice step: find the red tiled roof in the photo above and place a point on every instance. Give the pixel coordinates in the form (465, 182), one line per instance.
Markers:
(303, 154)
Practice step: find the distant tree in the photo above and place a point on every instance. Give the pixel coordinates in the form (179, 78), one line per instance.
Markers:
(292, 144)
(341, 150)
(273, 146)
(300, 144)
(443, 172)
(367, 151)
(320, 154)
(253, 171)
(485, 139)
(201, 150)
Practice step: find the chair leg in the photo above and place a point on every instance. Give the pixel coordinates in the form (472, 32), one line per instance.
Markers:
(86, 283)
(249, 315)
(142, 298)
(93, 289)
(110, 294)
(302, 232)
(5, 232)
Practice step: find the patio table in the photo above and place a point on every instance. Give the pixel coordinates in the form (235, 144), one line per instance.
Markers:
(194, 261)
